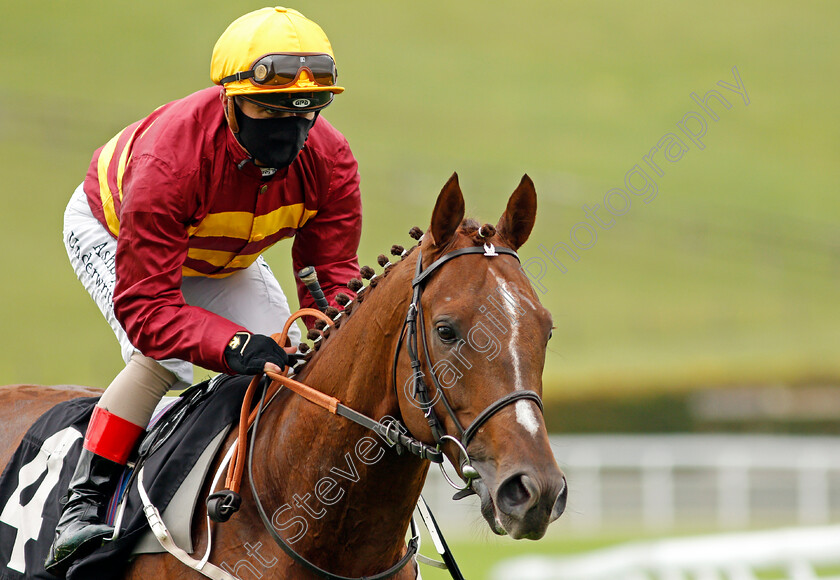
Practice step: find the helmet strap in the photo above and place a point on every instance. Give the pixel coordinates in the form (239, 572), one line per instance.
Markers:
(230, 114)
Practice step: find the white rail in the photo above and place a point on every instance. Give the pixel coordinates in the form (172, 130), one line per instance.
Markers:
(662, 483)
(789, 554)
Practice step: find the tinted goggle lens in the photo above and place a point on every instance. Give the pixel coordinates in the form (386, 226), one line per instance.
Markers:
(282, 70)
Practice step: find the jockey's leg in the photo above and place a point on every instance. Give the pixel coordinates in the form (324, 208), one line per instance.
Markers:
(136, 391)
(118, 420)
(251, 297)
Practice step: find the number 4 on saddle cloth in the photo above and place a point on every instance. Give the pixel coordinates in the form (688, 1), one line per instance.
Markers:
(34, 483)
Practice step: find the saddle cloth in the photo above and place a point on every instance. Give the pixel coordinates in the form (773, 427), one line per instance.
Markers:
(35, 481)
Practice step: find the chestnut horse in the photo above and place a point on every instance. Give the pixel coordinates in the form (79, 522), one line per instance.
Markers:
(345, 498)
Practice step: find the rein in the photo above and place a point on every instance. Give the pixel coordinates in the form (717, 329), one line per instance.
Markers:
(391, 432)
(412, 547)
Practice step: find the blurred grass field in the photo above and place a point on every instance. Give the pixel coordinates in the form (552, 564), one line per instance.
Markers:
(730, 275)
(477, 558)
(479, 561)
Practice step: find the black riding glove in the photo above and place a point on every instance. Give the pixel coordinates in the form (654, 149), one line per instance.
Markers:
(246, 353)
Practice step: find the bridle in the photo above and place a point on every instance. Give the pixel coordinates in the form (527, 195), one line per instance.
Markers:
(420, 391)
(394, 435)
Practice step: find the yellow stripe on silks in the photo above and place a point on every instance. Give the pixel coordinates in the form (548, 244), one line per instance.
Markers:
(217, 258)
(124, 156)
(150, 124)
(244, 226)
(290, 216)
(189, 272)
(104, 190)
(222, 259)
(228, 224)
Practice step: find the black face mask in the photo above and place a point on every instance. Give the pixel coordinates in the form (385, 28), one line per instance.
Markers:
(273, 142)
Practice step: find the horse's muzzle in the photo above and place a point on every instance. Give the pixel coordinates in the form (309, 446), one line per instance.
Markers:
(525, 505)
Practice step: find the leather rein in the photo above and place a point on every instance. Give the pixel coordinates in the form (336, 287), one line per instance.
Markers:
(392, 431)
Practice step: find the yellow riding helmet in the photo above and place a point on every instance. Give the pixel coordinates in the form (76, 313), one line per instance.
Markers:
(268, 41)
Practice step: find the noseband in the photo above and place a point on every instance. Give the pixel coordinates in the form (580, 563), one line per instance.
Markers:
(420, 391)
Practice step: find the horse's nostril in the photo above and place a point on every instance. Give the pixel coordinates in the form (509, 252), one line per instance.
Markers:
(516, 495)
(560, 502)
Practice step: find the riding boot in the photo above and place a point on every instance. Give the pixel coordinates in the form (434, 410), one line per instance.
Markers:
(82, 528)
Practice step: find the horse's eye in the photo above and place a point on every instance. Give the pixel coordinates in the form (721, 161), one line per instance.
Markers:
(445, 332)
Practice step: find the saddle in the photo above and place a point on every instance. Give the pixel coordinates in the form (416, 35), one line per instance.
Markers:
(175, 455)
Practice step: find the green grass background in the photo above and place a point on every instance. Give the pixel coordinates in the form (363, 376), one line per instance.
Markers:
(731, 275)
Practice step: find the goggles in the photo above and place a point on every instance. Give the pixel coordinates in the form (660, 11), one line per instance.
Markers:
(283, 70)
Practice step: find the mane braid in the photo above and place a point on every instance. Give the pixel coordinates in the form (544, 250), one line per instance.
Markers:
(473, 229)
(468, 227)
(321, 339)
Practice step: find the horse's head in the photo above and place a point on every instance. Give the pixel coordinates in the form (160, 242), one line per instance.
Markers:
(482, 331)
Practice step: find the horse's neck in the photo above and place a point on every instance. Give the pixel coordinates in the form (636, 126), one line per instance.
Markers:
(360, 492)
(355, 362)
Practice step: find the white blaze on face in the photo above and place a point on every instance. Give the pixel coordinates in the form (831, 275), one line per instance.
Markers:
(525, 416)
(524, 412)
(513, 320)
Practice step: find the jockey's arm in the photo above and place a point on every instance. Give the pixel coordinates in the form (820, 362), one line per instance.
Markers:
(151, 250)
(330, 240)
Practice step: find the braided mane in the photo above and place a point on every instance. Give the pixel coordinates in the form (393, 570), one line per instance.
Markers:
(318, 335)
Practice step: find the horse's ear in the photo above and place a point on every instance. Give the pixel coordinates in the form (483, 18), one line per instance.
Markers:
(518, 220)
(448, 213)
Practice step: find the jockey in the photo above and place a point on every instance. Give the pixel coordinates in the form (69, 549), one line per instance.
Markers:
(166, 234)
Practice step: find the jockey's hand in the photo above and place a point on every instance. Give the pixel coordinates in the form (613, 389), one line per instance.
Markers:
(253, 354)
